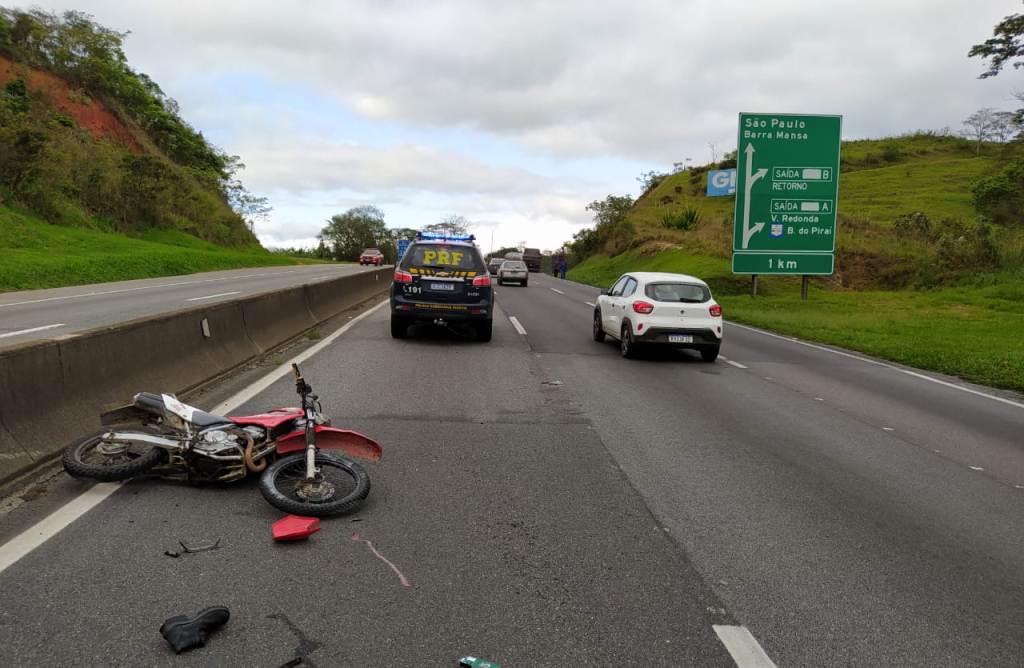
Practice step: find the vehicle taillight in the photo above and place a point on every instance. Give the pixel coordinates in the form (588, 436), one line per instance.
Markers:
(481, 281)
(643, 307)
(403, 277)
(716, 311)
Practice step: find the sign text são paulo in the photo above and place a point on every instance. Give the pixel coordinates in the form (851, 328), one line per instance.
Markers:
(787, 188)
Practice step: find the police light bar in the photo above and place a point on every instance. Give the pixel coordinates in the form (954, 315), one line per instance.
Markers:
(441, 236)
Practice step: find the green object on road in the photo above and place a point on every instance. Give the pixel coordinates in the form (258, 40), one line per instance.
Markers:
(787, 187)
(475, 662)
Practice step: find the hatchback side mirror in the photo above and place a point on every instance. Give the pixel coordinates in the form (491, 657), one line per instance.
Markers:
(605, 292)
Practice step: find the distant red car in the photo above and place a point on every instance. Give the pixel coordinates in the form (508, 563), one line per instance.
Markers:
(372, 256)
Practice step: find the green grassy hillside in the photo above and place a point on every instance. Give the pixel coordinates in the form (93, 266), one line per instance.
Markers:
(950, 298)
(36, 254)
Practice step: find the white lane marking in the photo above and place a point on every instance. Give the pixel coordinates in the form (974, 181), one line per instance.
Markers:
(590, 304)
(152, 287)
(517, 325)
(29, 331)
(818, 399)
(976, 468)
(729, 361)
(888, 429)
(742, 646)
(49, 526)
(222, 294)
(556, 290)
(921, 376)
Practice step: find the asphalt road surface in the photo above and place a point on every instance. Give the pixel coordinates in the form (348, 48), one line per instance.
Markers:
(42, 314)
(553, 504)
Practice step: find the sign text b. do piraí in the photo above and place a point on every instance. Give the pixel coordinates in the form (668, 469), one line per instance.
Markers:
(787, 188)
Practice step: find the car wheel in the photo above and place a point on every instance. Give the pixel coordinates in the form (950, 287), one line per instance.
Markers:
(399, 327)
(598, 329)
(709, 354)
(483, 330)
(525, 283)
(626, 345)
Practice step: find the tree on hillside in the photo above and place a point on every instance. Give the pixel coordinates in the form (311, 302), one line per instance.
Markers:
(649, 180)
(981, 126)
(450, 224)
(347, 234)
(611, 210)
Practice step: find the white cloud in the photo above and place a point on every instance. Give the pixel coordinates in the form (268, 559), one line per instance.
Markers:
(646, 80)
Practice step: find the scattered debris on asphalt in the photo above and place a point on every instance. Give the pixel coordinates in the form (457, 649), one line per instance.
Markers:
(184, 633)
(185, 549)
(295, 527)
(401, 578)
(474, 662)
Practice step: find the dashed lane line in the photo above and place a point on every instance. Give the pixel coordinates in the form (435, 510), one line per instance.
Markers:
(221, 294)
(515, 323)
(556, 290)
(732, 363)
(29, 331)
(743, 647)
(590, 304)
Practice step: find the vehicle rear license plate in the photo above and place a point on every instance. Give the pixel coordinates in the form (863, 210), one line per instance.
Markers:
(680, 338)
(450, 287)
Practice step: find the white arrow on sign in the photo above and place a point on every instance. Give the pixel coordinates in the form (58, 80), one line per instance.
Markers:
(751, 179)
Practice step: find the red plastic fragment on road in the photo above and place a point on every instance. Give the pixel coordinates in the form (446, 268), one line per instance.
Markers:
(401, 578)
(295, 527)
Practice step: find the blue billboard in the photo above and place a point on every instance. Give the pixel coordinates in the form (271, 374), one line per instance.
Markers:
(721, 182)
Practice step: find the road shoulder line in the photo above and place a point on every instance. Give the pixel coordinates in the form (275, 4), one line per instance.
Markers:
(885, 365)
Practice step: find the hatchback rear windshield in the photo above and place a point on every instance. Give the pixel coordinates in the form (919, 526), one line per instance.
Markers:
(443, 257)
(687, 293)
(515, 266)
(372, 251)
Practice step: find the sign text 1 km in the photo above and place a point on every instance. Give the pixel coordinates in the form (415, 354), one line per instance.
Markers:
(787, 191)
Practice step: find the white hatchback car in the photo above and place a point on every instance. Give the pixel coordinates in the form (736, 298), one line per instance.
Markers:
(672, 310)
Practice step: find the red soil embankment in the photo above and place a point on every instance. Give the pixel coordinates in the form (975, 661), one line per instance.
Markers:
(86, 112)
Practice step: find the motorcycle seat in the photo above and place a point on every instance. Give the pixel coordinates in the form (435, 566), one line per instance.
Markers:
(154, 403)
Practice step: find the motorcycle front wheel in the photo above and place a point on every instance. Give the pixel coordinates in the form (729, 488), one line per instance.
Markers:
(96, 459)
(340, 487)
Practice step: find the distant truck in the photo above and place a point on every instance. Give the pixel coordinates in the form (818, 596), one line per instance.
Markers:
(513, 256)
(531, 256)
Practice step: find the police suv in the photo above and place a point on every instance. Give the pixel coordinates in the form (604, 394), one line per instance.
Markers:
(442, 279)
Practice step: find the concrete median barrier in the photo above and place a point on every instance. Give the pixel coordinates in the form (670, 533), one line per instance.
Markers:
(53, 391)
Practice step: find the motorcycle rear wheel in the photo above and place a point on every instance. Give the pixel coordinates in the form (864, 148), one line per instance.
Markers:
(341, 486)
(90, 457)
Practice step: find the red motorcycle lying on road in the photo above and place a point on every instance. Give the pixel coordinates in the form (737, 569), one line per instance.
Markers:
(159, 434)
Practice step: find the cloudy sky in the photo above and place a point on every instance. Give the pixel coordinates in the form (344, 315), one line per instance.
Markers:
(515, 114)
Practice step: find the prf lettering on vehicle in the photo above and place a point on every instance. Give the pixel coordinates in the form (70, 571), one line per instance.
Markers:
(453, 258)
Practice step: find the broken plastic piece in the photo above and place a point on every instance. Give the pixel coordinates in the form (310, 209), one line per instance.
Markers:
(475, 662)
(183, 633)
(295, 527)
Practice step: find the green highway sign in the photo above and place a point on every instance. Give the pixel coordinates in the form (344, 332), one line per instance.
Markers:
(806, 264)
(787, 190)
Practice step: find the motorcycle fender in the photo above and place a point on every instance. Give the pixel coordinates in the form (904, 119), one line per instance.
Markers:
(328, 438)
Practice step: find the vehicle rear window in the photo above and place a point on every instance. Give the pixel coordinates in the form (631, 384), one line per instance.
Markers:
(509, 264)
(678, 292)
(443, 257)
(371, 251)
